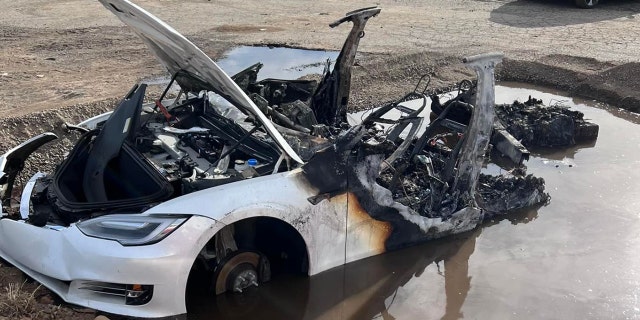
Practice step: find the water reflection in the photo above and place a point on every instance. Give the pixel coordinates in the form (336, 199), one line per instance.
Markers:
(562, 153)
(365, 289)
(279, 63)
(559, 157)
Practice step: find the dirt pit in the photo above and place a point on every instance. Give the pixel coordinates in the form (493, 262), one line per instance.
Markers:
(453, 276)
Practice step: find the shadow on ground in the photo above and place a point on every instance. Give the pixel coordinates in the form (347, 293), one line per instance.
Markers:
(553, 13)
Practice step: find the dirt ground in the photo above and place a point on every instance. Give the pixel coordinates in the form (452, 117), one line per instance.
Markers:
(67, 60)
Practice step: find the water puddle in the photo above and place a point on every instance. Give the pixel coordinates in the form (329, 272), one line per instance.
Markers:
(576, 258)
(279, 63)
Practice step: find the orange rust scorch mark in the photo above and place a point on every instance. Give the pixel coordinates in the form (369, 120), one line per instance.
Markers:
(369, 231)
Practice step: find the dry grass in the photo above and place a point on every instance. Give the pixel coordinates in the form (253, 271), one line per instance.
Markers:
(17, 301)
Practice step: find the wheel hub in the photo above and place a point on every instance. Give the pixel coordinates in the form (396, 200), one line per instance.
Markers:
(244, 279)
(238, 273)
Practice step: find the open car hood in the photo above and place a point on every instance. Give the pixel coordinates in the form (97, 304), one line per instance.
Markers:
(181, 56)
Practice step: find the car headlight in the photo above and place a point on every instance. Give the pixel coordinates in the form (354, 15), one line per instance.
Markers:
(131, 229)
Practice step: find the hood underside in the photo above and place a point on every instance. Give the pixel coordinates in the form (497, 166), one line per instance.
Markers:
(196, 71)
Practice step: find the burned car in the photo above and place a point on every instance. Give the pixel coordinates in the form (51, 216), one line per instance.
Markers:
(233, 181)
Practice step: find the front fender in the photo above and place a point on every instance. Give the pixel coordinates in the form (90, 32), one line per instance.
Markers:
(12, 162)
(283, 196)
(322, 229)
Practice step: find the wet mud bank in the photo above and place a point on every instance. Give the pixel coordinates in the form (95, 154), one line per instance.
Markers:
(611, 83)
(378, 78)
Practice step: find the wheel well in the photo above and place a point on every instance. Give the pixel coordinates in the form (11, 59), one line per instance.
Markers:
(276, 239)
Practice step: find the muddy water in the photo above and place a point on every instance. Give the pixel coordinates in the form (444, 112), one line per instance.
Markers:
(576, 258)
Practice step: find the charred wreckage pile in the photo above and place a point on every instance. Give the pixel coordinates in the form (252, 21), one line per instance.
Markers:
(516, 127)
(420, 169)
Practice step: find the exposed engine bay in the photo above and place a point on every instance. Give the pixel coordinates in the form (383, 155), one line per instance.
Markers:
(193, 147)
(188, 146)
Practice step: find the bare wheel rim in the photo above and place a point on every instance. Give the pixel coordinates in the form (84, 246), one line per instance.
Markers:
(243, 279)
(231, 268)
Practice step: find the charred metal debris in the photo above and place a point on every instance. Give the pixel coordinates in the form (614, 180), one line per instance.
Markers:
(529, 123)
(432, 169)
(398, 167)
